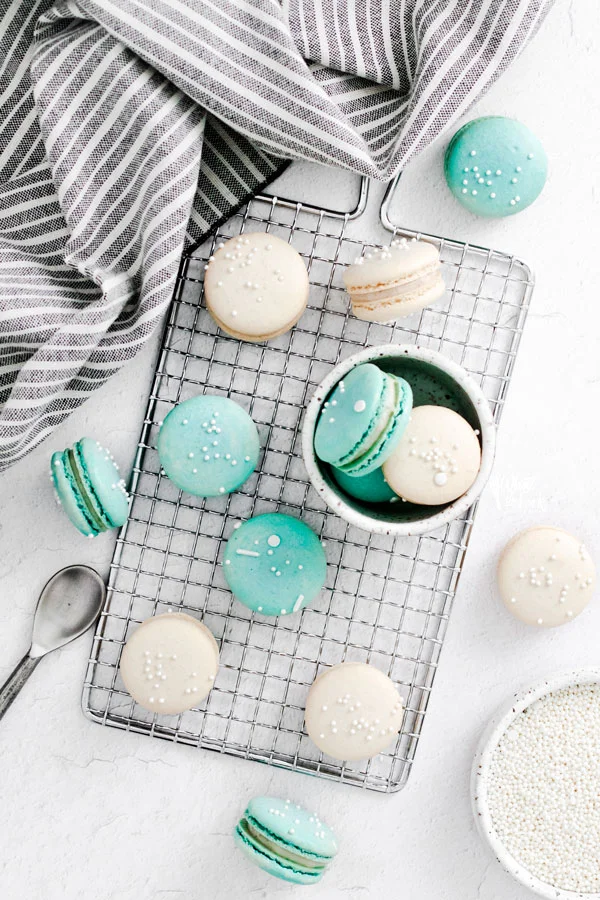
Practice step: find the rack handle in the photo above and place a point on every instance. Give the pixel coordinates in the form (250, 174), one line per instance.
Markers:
(361, 203)
(384, 212)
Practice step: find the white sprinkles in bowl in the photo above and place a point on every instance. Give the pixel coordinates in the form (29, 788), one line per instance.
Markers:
(543, 791)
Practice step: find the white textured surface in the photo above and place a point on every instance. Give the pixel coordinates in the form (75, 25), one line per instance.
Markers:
(90, 812)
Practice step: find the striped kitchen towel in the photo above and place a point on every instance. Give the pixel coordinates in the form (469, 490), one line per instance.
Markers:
(131, 128)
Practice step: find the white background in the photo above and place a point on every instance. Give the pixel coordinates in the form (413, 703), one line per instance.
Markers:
(93, 813)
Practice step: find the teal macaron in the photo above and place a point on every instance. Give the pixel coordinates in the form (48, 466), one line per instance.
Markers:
(274, 564)
(285, 840)
(362, 420)
(495, 166)
(89, 488)
(208, 445)
(371, 488)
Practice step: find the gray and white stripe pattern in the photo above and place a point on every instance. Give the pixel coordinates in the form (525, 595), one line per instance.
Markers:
(132, 127)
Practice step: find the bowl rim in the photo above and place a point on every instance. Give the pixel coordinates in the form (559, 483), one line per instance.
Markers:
(487, 429)
(493, 732)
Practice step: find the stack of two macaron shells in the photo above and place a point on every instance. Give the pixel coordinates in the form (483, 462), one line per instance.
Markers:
(89, 487)
(395, 281)
(285, 840)
(382, 448)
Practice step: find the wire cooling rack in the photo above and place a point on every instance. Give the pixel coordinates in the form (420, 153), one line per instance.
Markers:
(386, 601)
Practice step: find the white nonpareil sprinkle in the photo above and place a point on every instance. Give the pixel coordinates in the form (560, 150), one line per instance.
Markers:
(544, 788)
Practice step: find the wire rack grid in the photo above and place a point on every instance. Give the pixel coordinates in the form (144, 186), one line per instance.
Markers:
(386, 600)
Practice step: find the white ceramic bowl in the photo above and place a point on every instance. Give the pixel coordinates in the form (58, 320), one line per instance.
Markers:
(435, 380)
(481, 770)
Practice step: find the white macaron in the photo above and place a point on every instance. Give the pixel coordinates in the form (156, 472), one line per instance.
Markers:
(394, 281)
(256, 287)
(546, 577)
(437, 460)
(169, 663)
(353, 711)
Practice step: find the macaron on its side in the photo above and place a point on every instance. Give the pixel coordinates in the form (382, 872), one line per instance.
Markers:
(394, 426)
(105, 493)
(69, 497)
(379, 425)
(362, 420)
(285, 840)
(256, 286)
(395, 281)
(350, 416)
(272, 858)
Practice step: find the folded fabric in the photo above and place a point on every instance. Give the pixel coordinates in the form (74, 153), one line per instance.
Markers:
(131, 128)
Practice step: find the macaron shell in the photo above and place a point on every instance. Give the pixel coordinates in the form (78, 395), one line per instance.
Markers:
(350, 414)
(256, 286)
(294, 826)
(402, 262)
(208, 446)
(353, 711)
(274, 564)
(103, 482)
(371, 488)
(546, 577)
(69, 497)
(169, 663)
(437, 459)
(495, 166)
(271, 865)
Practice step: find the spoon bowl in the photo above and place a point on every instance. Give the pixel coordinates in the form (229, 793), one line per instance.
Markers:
(69, 603)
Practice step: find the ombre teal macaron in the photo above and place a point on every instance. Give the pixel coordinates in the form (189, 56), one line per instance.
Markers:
(89, 488)
(208, 446)
(363, 419)
(274, 564)
(285, 840)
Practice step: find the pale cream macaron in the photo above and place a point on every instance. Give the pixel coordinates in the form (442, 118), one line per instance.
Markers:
(256, 287)
(169, 663)
(546, 577)
(353, 711)
(437, 460)
(395, 281)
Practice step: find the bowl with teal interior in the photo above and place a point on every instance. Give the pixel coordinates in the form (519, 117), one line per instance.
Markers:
(435, 381)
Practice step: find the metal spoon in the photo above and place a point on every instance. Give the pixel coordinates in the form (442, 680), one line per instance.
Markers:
(70, 602)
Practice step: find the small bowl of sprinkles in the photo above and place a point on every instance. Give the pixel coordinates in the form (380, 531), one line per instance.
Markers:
(536, 787)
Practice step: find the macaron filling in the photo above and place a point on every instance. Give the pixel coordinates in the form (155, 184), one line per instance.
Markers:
(84, 503)
(91, 495)
(378, 424)
(268, 843)
(408, 279)
(386, 432)
(409, 286)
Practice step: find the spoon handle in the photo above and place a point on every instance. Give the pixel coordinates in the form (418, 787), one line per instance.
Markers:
(16, 680)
